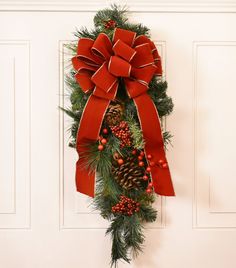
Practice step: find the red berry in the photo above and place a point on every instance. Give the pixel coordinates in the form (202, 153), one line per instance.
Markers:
(145, 177)
(105, 131)
(148, 169)
(141, 153)
(149, 190)
(100, 147)
(161, 161)
(141, 163)
(150, 185)
(149, 156)
(164, 165)
(120, 161)
(140, 157)
(103, 141)
(152, 164)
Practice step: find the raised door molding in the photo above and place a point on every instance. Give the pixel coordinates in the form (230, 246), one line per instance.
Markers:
(134, 6)
(15, 139)
(214, 133)
(75, 212)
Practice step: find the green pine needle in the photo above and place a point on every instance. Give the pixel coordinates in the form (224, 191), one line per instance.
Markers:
(136, 132)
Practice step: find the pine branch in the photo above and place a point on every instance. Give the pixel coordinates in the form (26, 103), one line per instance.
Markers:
(85, 33)
(72, 47)
(157, 91)
(95, 160)
(147, 214)
(136, 132)
(103, 201)
(167, 139)
(119, 247)
(127, 237)
(137, 28)
(133, 235)
(116, 13)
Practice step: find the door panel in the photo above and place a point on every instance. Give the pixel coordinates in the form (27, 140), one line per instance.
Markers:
(44, 223)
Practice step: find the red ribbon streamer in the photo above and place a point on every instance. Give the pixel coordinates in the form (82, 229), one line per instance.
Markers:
(99, 63)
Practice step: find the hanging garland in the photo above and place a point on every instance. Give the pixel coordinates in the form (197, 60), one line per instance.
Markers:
(117, 97)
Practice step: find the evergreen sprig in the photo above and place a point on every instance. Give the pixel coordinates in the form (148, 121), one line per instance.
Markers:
(119, 247)
(136, 132)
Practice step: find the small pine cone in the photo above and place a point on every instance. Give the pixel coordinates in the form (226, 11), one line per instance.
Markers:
(128, 175)
(114, 114)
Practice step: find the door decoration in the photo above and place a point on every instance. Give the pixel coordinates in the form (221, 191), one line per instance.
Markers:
(118, 98)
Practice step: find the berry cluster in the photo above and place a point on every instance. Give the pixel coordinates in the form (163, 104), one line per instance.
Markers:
(102, 140)
(126, 206)
(122, 132)
(142, 162)
(149, 189)
(110, 24)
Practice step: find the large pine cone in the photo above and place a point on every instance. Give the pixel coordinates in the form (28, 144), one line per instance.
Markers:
(128, 175)
(114, 114)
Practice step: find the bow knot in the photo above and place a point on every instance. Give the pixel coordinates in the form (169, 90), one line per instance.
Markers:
(100, 62)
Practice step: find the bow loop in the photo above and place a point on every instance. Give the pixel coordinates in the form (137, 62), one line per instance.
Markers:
(102, 46)
(157, 60)
(84, 80)
(111, 95)
(134, 88)
(141, 39)
(126, 36)
(80, 65)
(143, 75)
(119, 67)
(84, 73)
(143, 56)
(85, 54)
(123, 50)
(103, 78)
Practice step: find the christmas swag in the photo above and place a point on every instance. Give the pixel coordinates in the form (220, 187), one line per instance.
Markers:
(117, 97)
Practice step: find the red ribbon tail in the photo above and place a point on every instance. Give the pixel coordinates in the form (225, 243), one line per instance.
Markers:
(83, 175)
(88, 132)
(154, 145)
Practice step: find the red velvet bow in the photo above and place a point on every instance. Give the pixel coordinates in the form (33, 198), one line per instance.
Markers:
(99, 63)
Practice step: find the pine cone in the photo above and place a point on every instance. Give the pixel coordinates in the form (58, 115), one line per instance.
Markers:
(114, 114)
(128, 175)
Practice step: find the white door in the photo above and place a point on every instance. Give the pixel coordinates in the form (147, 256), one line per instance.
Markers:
(44, 223)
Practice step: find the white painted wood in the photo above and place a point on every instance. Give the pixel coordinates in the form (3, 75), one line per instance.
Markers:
(53, 228)
(215, 204)
(15, 134)
(211, 6)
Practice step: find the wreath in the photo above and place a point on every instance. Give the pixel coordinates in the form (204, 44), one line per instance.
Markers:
(118, 99)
